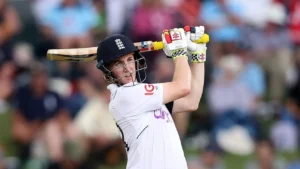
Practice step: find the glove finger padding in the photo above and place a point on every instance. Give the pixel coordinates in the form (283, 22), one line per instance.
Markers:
(197, 52)
(175, 43)
(197, 33)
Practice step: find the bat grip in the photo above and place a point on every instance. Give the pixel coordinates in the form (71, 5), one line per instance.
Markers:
(158, 45)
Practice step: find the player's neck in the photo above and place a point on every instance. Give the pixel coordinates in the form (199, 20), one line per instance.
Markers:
(131, 83)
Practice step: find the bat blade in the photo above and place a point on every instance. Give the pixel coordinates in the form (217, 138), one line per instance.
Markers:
(72, 55)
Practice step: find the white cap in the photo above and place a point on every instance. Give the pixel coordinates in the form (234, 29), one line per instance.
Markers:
(235, 140)
(276, 14)
(61, 86)
(232, 63)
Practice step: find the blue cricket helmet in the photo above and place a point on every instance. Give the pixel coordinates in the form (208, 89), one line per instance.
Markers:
(114, 47)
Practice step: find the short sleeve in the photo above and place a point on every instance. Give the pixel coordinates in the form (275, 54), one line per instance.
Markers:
(139, 98)
(170, 106)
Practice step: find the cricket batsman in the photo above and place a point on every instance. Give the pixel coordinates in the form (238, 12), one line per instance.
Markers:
(139, 109)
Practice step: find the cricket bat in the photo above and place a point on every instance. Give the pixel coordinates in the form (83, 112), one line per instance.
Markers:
(89, 54)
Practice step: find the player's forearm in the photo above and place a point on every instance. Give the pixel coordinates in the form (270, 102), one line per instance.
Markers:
(197, 83)
(182, 74)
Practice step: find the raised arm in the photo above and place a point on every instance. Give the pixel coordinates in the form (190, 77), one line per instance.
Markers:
(176, 47)
(198, 57)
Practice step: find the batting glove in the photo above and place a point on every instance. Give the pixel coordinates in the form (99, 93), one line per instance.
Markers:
(197, 51)
(175, 43)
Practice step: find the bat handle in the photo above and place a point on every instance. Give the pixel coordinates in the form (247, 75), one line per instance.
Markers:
(158, 45)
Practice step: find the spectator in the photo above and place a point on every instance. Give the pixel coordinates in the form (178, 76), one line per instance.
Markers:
(252, 75)
(231, 101)
(254, 13)
(96, 125)
(9, 27)
(119, 14)
(293, 105)
(60, 24)
(188, 12)
(39, 113)
(226, 92)
(265, 157)
(221, 19)
(286, 131)
(148, 17)
(274, 56)
(284, 135)
(100, 30)
(161, 74)
(211, 158)
(293, 7)
(42, 7)
(225, 11)
(7, 71)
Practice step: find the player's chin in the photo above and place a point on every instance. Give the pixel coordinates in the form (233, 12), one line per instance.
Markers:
(127, 79)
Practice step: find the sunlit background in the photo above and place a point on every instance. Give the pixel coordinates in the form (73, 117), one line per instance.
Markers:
(54, 115)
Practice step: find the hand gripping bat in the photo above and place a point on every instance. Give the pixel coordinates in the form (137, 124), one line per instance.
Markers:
(89, 54)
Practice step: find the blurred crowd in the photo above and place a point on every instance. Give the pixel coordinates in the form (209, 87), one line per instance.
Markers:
(58, 114)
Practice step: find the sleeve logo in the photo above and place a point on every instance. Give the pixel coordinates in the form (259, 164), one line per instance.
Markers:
(149, 89)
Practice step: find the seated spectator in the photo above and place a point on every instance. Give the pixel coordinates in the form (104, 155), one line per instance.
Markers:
(70, 25)
(222, 20)
(285, 131)
(9, 27)
(188, 12)
(265, 157)
(39, 115)
(284, 135)
(252, 74)
(226, 92)
(211, 158)
(145, 23)
(60, 24)
(148, 17)
(230, 100)
(7, 71)
(95, 124)
(293, 105)
(221, 17)
(275, 57)
(42, 7)
(100, 29)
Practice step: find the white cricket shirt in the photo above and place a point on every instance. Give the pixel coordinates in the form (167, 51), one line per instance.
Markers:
(146, 127)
